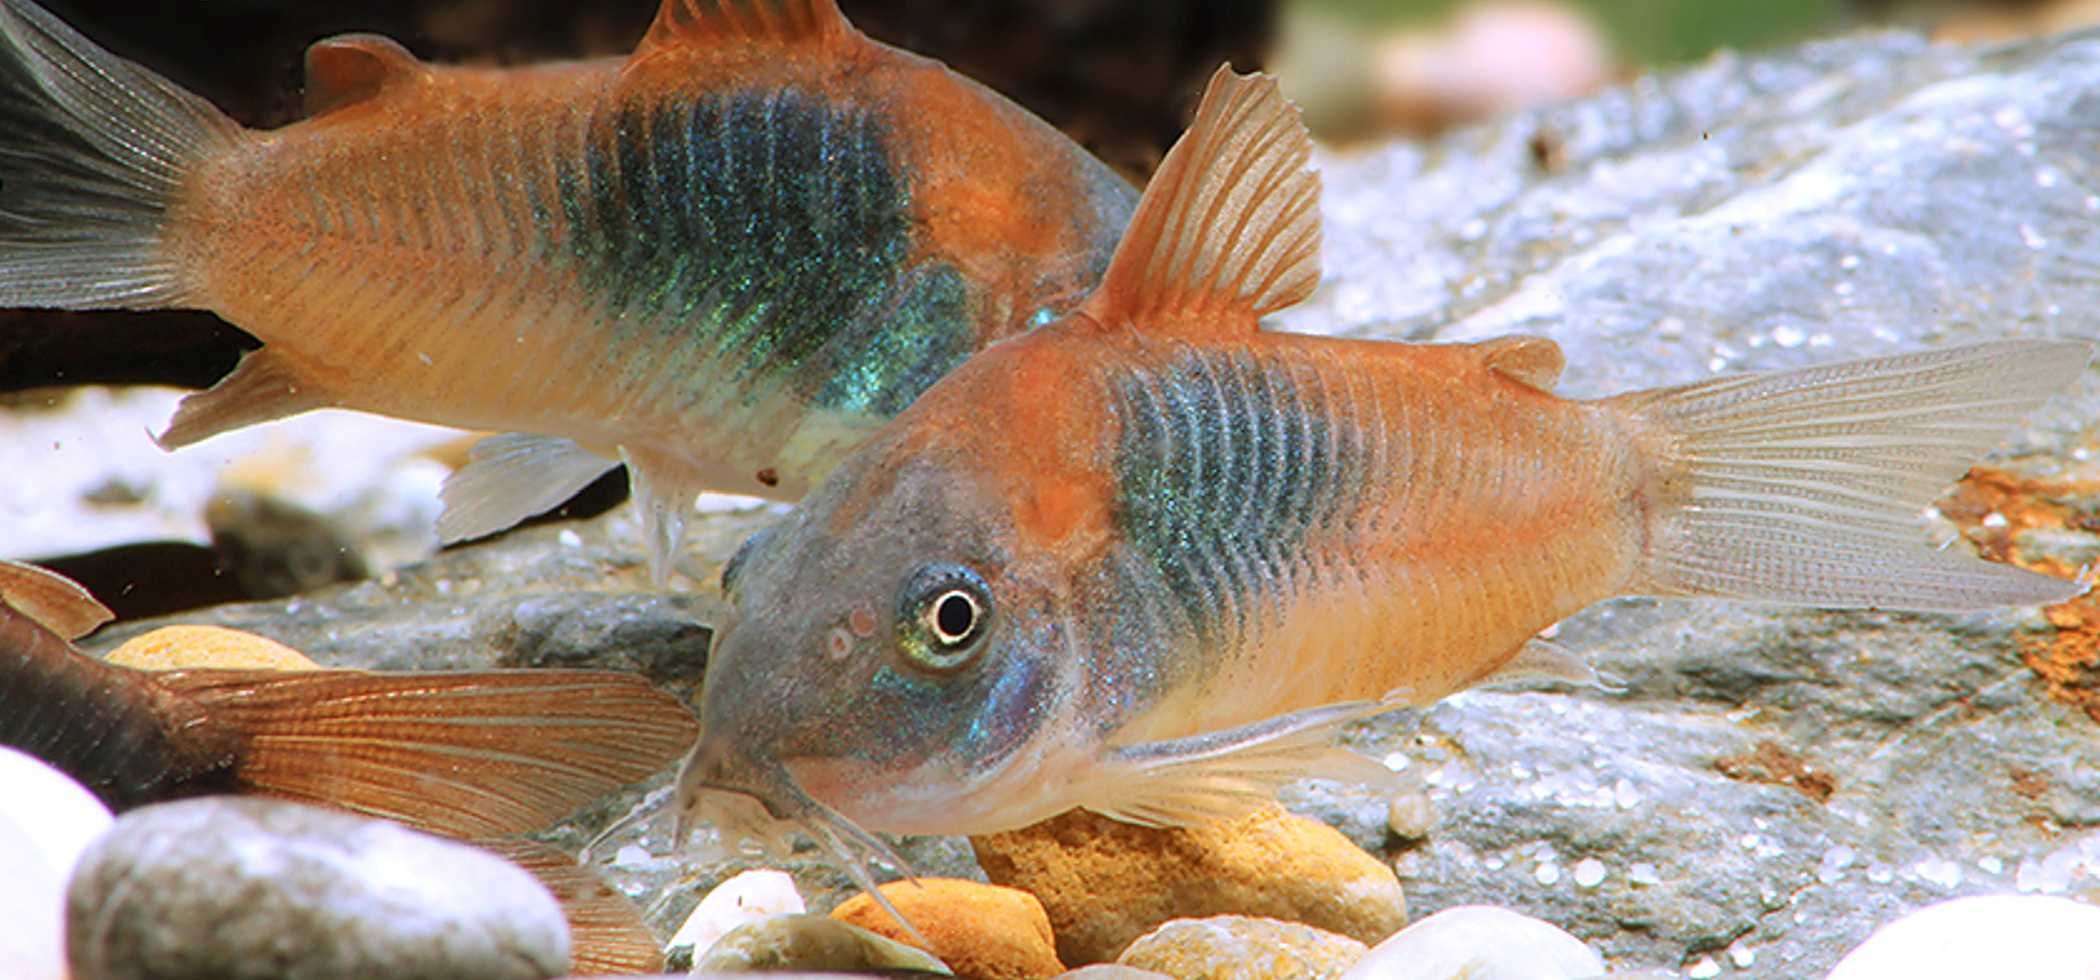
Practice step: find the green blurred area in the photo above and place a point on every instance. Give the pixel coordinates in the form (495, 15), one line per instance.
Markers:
(1649, 32)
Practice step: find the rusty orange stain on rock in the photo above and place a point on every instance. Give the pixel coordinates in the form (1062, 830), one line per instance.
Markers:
(1773, 763)
(2067, 656)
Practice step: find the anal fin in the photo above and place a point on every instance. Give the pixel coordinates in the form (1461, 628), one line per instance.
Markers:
(606, 932)
(53, 601)
(1220, 775)
(470, 754)
(261, 388)
(511, 477)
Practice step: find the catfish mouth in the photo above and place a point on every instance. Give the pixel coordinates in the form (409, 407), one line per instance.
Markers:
(764, 806)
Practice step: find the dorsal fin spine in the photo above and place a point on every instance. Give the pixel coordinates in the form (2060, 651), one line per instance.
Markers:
(1229, 230)
(780, 21)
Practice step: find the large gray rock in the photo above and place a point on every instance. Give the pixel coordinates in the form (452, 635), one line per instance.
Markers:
(1763, 786)
(224, 889)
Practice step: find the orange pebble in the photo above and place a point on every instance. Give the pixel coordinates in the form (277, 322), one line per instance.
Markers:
(979, 930)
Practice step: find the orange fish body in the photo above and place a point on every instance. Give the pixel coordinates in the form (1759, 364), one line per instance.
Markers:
(725, 258)
(1149, 559)
(1409, 516)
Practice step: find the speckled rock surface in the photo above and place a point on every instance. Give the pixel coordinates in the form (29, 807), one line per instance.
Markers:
(1238, 947)
(1106, 883)
(228, 888)
(1762, 787)
(979, 930)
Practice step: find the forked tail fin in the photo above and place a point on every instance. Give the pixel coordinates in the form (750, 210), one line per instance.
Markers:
(470, 754)
(1806, 486)
(94, 150)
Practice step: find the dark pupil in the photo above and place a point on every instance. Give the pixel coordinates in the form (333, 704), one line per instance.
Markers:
(954, 616)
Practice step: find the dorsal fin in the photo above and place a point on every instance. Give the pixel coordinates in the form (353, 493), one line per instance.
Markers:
(1527, 360)
(53, 601)
(351, 68)
(690, 22)
(1229, 229)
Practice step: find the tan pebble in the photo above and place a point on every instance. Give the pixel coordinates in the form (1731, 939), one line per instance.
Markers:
(1105, 883)
(979, 930)
(1236, 947)
(189, 647)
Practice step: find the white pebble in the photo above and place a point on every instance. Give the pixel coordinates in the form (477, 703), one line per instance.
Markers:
(2032, 937)
(46, 821)
(1589, 873)
(1479, 942)
(1548, 873)
(1409, 813)
(1705, 969)
(748, 897)
(1644, 873)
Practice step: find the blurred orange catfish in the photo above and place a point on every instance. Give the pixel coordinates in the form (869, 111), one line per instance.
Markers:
(466, 753)
(725, 259)
(1147, 560)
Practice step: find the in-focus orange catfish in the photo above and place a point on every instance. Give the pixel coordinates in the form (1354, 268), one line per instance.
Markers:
(1146, 560)
(725, 259)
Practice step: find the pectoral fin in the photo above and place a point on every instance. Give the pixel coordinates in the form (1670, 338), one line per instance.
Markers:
(1224, 774)
(1540, 662)
(52, 600)
(511, 477)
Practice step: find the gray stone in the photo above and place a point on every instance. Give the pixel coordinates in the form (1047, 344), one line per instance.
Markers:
(229, 888)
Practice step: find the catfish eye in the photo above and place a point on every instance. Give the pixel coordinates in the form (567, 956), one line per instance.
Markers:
(947, 609)
(953, 618)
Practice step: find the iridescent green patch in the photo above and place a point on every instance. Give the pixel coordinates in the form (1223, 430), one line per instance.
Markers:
(760, 240)
(1225, 464)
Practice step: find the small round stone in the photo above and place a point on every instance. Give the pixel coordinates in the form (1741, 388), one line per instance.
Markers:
(979, 930)
(1105, 883)
(1479, 942)
(2035, 937)
(1238, 947)
(234, 888)
(46, 822)
(189, 647)
(747, 897)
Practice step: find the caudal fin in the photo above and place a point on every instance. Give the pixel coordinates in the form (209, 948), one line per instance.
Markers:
(469, 754)
(94, 149)
(607, 936)
(1806, 486)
